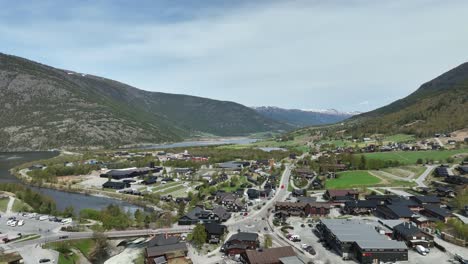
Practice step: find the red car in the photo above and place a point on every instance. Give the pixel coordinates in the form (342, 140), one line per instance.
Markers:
(282, 186)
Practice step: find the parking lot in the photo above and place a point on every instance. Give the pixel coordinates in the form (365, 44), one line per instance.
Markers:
(31, 226)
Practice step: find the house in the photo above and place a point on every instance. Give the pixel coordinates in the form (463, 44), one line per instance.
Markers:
(441, 172)
(333, 195)
(443, 214)
(149, 180)
(443, 191)
(166, 254)
(214, 232)
(458, 180)
(267, 255)
(240, 242)
(412, 235)
(394, 212)
(128, 173)
(253, 194)
(222, 213)
(115, 185)
(463, 170)
(352, 239)
(299, 192)
(357, 207)
(302, 209)
(317, 209)
(424, 221)
(404, 202)
(165, 249)
(199, 215)
(426, 199)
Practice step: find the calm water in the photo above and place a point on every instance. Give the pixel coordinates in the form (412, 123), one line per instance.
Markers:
(62, 199)
(199, 143)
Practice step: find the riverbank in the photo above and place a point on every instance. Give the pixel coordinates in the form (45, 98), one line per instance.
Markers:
(134, 200)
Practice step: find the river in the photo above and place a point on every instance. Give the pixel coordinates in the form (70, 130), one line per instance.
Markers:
(200, 143)
(63, 199)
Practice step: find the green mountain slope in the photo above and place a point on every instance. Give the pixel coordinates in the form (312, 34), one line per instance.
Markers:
(44, 107)
(439, 105)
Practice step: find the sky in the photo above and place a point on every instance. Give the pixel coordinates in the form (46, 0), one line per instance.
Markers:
(316, 54)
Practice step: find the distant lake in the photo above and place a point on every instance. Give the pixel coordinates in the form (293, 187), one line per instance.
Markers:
(200, 143)
(8, 160)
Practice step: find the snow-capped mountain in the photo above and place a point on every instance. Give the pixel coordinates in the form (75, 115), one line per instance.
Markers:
(304, 117)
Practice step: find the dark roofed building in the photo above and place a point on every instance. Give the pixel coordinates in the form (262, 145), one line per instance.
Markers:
(222, 213)
(253, 194)
(198, 215)
(458, 180)
(443, 214)
(394, 212)
(412, 235)
(115, 185)
(426, 199)
(169, 252)
(441, 172)
(356, 207)
(214, 232)
(163, 240)
(333, 195)
(267, 255)
(238, 243)
(463, 170)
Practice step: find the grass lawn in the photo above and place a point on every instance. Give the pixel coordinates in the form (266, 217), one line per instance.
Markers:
(411, 157)
(241, 181)
(70, 259)
(172, 189)
(352, 179)
(20, 206)
(4, 204)
(83, 245)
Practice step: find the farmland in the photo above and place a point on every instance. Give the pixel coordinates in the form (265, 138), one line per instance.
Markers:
(411, 157)
(352, 179)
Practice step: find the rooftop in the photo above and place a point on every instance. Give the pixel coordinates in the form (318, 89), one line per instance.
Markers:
(363, 234)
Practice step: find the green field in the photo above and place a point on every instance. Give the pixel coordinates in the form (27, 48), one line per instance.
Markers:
(352, 179)
(411, 157)
(85, 246)
(20, 206)
(4, 204)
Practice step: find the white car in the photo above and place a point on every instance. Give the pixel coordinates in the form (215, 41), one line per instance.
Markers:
(21, 223)
(304, 246)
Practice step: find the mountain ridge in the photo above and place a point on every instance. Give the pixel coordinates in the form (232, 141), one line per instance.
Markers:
(46, 107)
(302, 118)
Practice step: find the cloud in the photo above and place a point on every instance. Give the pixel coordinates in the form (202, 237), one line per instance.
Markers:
(297, 54)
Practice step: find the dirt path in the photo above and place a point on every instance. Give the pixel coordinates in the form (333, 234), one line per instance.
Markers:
(10, 205)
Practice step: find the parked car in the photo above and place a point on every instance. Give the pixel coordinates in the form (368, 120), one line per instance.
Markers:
(311, 250)
(63, 237)
(44, 260)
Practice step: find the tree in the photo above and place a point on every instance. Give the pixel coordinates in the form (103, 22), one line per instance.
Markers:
(139, 217)
(419, 161)
(99, 252)
(199, 235)
(69, 211)
(181, 209)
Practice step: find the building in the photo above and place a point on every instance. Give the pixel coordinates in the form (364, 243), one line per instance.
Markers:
(129, 173)
(458, 180)
(333, 195)
(214, 232)
(115, 185)
(267, 255)
(359, 241)
(394, 212)
(357, 207)
(426, 199)
(222, 213)
(412, 235)
(253, 194)
(441, 172)
(240, 242)
(302, 209)
(165, 249)
(198, 215)
(463, 170)
(435, 211)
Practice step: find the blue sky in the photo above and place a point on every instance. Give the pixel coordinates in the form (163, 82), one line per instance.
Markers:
(347, 55)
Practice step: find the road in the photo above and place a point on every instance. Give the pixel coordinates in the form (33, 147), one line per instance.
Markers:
(420, 180)
(111, 234)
